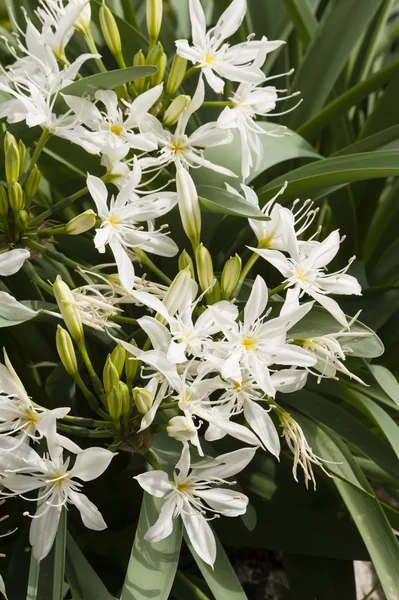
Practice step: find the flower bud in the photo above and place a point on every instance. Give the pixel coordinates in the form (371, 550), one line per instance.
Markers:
(110, 375)
(81, 223)
(181, 428)
(114, 404)
(154, 19)
(177, 291)
(139, 59)
(157, 78)
(176, 75)
(142, 399)
(131, 366)
(69, 311)
(22, 219)
(188, 205)
(204, 267)
(110, 32)
(12, 163)
(185, 261)
(175, 109)
(126, 399)
(66, 351)
(32, 183)
(8, 140)
(230, 276)
(15, 195)
(3, 202)
(22, 157)
(118, 356)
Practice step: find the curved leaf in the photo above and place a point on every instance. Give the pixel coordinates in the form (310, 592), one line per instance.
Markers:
(83, 581)
(108, 80)
(219, 200)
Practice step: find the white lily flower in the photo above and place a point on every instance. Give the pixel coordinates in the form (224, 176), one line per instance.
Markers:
(118, 227)
(11, 262)
(305, 272)
(191, 494)
(217, 59)
(59, 22)
(58, 487)
(113, 129)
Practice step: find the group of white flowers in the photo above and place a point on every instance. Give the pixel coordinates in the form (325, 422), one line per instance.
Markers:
(219, 366)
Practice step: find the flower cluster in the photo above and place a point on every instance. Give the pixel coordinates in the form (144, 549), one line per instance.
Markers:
(216, 357)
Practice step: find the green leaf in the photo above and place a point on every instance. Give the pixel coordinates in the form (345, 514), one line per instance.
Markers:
(219, 200)
(337, 172)
(319, 322)
(152, 567)
(184, 588)
(372, 524)
(15, 13)
(302, 16)
(108, 80)
(84, 582)
(387, 381)
(222, 579)
(384, 114)
(327, 54)
(387, 139)
(288, 145)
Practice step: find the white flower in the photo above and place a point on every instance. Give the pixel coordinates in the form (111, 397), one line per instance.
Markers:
(192, 494)
(255, 344)
(59, 22)
(13, 311)
(305, 272)
(118, 227)
(217, 59)
(11, 262)
(112, 130)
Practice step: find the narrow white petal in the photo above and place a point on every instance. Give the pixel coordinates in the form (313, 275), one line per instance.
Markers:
(89, 512)
(44, 528)
(262, 424)
(12, 261)
(200, 535)
(91, 463)
(155, 483)
(163, 527)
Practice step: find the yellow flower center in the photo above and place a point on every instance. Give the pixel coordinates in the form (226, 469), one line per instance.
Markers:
(116, 129)
(183, 487)
(113, 221)
(209, 59)
(249, 344)
(301, 275)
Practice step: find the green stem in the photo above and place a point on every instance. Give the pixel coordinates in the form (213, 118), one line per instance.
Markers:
(47, 232)
(216, 104)
(58, 206)
(85, 421)
(130, 14)
(91, 399)
(36, 279)
(53, 254)
(45, 136)
(93, 49)
(148, 263)
(83, 432)
(248, 266)
(98, 388)
(190, 72)
(168, 405)
(277, 289)
(121, 319)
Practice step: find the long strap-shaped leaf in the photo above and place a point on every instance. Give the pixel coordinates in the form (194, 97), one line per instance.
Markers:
(152, 567)
(222, 579)
(46, 579)
(84, 582)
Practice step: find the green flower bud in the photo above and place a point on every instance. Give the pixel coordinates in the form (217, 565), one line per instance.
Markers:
(157, 78)
(176, 75)
(230, 276)
(23, 218)
(126, 399)
(175, 109)
(114, 404)
(185, 261)
(189, 208)
(110, 375)
(154, 19)
(12, 163)
(8, 140)
(156, 58)
(110, 32)
(118, 356)
(66, 351)
(206, 275)
(32, 183)
(81, 223)
(22, 157)
(177, 291)
(139, 59)
(15, 195)
(69, 310)
(3, 202)
(142, 399)
(131, 366)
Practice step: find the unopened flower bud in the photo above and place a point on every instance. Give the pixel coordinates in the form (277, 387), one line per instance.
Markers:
(110, 375)
(230, 276)
(156, 58)
(32, 183)
(204, 267)
(118, 356)
(157, 78)
(81, 223)
(139, 59)
(15, 195)
(185, 261)
(176, 75)
(23, 218)
(154, 19)
(69, 310)
(66, 351)
(175, 109)
(22, 157)
(110, 32)
(188, 205)
(142, 399)
(126, 399)
(181, 428)
(131, 366)
(12, 163)
(177, 291)
(8, 140)
(3, 202)
(114, 404)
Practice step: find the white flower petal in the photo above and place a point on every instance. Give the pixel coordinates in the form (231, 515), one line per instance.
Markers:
(89, 512)
(91, 463)
(200, 535)
(12, 261)
(262, 424)
(155, 483)
(163, 527)
(44, 527)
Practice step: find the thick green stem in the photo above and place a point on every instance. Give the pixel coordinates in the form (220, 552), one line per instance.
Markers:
(148, 263)
(36, 279)
(216, 104)
(277, 289)
(58, 206)
(98, 388)
(52, 254)
(248, 266)
(190, 72)
(45, 136)
(93, 49)
(83, 432)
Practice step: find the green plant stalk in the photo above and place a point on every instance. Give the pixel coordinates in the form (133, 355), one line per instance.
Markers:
(45, 136)
(36, 279)
(143, 257)
(246, 269)
(98, 388)
(82, 432)
(52, 254)
(130, 14)
(93, 49)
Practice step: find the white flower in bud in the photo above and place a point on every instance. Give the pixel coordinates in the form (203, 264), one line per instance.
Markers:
(177, 291)
(154, 19)
(182, 429)
(81, 223)
(175, 109)
(143, 399)
(69, 311)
